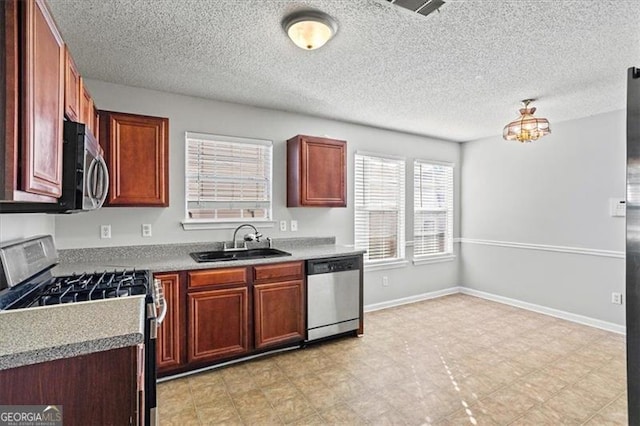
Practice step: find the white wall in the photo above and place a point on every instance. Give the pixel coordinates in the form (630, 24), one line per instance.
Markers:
(17, 226)
(553, 192)
(201, 115)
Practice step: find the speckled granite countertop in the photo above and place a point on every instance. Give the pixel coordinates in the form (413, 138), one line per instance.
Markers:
(30, 336)
(175, 257)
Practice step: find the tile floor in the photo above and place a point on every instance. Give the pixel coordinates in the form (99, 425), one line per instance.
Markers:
(455, 360)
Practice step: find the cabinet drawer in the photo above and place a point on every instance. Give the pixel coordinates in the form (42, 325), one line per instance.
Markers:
(277, 271)
(214, 277)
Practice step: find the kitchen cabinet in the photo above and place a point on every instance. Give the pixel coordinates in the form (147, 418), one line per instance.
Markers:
(218, 317)
(316, 172)
(33, 104)
(169, 343)
(87, 108)
(278, 304)
(137, 153)
(72, 88)
(99, 388)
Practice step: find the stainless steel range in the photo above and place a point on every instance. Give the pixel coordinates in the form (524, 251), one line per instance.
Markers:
(26, 282)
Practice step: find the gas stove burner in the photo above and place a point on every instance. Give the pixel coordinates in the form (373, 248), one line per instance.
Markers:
(87, 287)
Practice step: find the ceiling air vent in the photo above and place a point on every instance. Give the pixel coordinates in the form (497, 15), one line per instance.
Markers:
(423, 7)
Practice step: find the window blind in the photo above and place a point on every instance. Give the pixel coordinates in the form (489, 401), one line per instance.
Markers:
(227, 179)
(433, 208)
(379, 207)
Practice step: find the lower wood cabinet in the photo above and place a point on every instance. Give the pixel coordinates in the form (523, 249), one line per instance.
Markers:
(214, 315)
(279, 313)
(169, 343)
(218, 324)
(94, 389)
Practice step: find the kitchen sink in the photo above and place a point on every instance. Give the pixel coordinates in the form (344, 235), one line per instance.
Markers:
(218, 256)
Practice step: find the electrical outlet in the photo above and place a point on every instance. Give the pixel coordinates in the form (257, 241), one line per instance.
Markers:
(146, 229)
(105, 231)
(385, 281)
(616, 298)
(283, 225)
(294, 225)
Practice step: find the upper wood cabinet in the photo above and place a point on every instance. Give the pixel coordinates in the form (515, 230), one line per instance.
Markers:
(87, 108)
(42, 96)
(72, 88)
(137, 153)
(316, 172)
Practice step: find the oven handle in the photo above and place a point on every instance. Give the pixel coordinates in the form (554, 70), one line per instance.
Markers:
(160, 300)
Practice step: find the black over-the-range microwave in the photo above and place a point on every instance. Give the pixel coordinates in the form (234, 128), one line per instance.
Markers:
(85, 177)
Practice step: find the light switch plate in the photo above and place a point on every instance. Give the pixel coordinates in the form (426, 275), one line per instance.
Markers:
(283, 225)
(146, 229)
(294, 225)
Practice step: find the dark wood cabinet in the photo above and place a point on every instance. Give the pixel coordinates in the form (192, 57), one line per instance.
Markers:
(218, 314)
(316, 172)
(279, 313)
(137, 153)
(101, 388)
(72, 88)
(169, 342)
(42, 97)
(218, 324)
(278, 304)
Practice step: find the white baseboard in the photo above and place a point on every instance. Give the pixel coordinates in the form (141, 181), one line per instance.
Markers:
(411, 299)
(580, 319)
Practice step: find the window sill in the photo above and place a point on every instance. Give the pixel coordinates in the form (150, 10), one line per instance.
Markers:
(195, 225)
(391, 264)
(425, 260)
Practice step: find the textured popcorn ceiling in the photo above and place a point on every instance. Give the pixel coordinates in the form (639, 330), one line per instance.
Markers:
(457, 75)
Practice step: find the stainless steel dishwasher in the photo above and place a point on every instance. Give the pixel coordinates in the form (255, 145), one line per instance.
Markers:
(333, 296)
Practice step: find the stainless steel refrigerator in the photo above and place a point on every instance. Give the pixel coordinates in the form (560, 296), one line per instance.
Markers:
(633, 245)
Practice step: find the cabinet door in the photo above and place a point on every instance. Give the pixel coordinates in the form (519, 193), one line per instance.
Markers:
(316, 172)
(94, 389)
(169, 339)
(72, 88)
(279, 313)
(218, 324)
(86, 108)
(137, 149)
(43, 101)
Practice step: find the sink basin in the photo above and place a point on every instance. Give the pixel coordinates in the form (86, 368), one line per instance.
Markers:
(218, 256)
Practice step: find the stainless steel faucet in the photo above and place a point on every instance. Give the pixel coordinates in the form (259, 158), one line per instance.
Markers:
(247, 237)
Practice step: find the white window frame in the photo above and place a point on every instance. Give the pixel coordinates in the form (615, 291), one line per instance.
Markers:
(211, 223)
(447, 252)
(362, 237)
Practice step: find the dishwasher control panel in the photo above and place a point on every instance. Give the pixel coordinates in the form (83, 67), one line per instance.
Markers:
(326, 266)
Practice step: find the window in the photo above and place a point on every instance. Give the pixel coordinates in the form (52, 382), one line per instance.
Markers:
(379, 207)
(228, 179)
(433, 208)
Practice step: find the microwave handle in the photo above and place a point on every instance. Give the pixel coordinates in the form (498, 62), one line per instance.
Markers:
(104, 177)
(89, 181)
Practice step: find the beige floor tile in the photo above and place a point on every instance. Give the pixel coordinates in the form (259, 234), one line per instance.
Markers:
(614, 413)
(185, 415)
(314, 419)
(280, 391)
(539, 385)
(570, 407)
(341, 414)
(293, 408)
(217, 412)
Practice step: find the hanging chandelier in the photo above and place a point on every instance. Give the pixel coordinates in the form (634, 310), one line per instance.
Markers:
(526, 128)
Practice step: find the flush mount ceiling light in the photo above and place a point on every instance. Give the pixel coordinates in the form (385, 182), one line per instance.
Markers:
(526, 128)
(309, 29)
